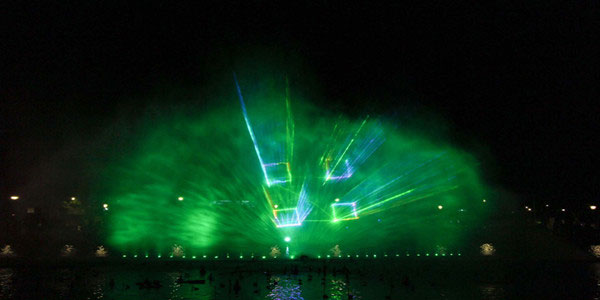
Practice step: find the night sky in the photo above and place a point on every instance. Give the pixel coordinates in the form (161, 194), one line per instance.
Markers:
(517, 84)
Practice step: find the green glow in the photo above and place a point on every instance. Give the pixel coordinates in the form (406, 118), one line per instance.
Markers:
(208, 156)
(345, 150)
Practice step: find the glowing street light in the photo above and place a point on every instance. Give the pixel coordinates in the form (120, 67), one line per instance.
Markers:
(440, 207)
(14, 197)
(563, 209)
(180, 198)
(287, 239)
(105, 206)
(73, 198)
(484, 200)
(593, 207)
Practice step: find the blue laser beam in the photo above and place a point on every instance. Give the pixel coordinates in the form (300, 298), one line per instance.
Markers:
(252, 136)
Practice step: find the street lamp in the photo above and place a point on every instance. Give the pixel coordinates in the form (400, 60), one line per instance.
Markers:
(593, 207)
(14, 197)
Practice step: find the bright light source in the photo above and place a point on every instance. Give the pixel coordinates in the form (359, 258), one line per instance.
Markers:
(487, 249)
(547, 205)
(276, 206)
(593, 207)
(287, 217)
(483, 200)
(105, 206)
(287, 239)
(73, 198)
(440, 207)
(563, 209)
(337, 199)
(14, 197)
(346, 210)
(180, 198)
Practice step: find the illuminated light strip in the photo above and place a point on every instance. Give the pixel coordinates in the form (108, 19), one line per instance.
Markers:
(397, 178)
(301, 211)
(435, 192)
(330, 141)
(354, 213)
(303, 205)
(278, 223)
(289, 124)
(386, 200)
(347, 174)
(288, 170)
(268, 196)
(289, 225)
(245, 113)
(348, 147)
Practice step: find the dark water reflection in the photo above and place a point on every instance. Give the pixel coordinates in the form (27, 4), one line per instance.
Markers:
(550, 281)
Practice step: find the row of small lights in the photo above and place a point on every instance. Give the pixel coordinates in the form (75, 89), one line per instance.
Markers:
(592, 207)
(292, 256)
(440, 207)
(105, 205)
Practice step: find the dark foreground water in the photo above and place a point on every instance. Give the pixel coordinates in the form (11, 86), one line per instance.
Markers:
(363, 279)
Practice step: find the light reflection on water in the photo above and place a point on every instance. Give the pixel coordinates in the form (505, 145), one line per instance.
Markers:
(492, 291)
(284, 289)
(6, 283)
(192, 283)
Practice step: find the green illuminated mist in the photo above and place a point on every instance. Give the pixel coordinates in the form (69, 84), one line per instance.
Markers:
(388, 182)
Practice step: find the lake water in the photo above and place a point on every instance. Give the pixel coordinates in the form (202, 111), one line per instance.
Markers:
(343, 279)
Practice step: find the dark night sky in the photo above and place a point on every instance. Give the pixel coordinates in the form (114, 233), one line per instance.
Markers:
(517, 83)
